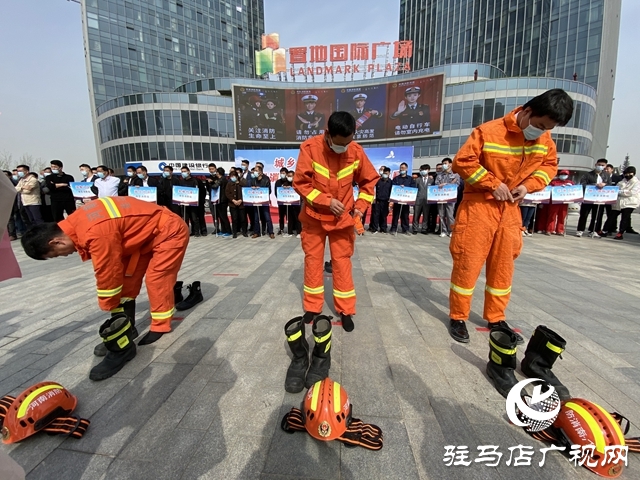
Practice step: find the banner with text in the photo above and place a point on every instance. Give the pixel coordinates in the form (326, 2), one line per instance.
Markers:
(288, 196)
(146, 194)
(255, 196)
(543, 196)
(447, 194)
(604, 196)
(404, 195)
(82, 190)
(566, 194)
(187, 196)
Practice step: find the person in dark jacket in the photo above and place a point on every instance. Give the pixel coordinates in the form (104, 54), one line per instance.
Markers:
(186, 180)
(61, 196)
(282, 209)
(202, 199)
(422, 207)
(381, 205)
(600, 179)
(165, 190)
(212, 182)
(402, 211)
(259, 180)
(233, 192)
(221, 208)
(128, 180)
(294, 224)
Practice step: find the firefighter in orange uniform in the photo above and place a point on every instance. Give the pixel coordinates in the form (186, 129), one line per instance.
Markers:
(501, 162)
(328, 165)
(126, 239)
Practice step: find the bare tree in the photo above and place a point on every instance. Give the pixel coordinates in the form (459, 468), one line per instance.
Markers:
(35, 164)
(6, 160)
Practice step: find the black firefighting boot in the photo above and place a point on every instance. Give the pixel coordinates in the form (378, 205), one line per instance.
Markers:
(297, 371)
(195, 297)
(502, 359)
(177, 293)
(129, 309)
(117, 335)
(544, 348)
(321, 356)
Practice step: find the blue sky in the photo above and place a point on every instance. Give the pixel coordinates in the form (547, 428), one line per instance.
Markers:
(44, 101)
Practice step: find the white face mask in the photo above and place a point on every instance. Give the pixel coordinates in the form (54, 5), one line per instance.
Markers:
(563, 177)
(531, 132)
(339, 149)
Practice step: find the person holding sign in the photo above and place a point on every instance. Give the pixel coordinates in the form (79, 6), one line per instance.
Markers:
(186, 180)
(628, 201)
(328, 165)
(445, 210)
(558, 211)
(501, 162)
(600, 179)
(127, 240)
(106, 185)
(405, 180)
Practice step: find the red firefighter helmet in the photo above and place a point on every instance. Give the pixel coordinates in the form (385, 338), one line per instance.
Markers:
(584, 423)
(34, 409)
(327, 410)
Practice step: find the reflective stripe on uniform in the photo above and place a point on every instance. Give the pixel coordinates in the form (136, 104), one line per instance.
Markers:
(313, 291)
(313, 195)
(322, 339)
(554, 348)
(346, 171)
(614, 424)
(111, 207)
(499, 148)
(339, 294)
(505, 351)
(321, 170)
(462, 291)
(365, 196)
(110, 293)
(498, 292)
(596, 431)
(543, 175)
(163, 315)
(118, 310)
(537, 148)
(337, 401)
(477, 175)
(295, 336)
(118, 333)
(24, 406)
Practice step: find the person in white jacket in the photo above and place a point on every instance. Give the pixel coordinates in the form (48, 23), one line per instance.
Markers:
(628, 199)
(29, 189)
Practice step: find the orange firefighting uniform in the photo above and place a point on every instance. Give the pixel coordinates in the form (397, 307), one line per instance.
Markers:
(127, 239)
(321, 174)
(487, 230)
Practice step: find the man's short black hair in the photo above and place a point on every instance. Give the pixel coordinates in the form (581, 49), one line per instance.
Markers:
(403, 163)
(85, 165)
(131, 167)
(57, 163)
(284, 169)
(245, 161)
(342, 124)
(169, 167)
(630, 169)
(555, 104)
(386, 170)
(36, 240)
(602, 160)
(220, 170)
(25, 167)
(425, 167)
(447, 159)
(213, 165)
(609, 165)
(438, 164)
(143, 168)
(103, 167)
(184, 167)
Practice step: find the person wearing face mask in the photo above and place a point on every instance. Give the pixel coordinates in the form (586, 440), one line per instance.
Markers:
(600, 179)
(127, 180)
(282, 209)
(628, 201)
(381, 205)
(233, 192)
(402, 211)
(374, 225)
(294, 210)
(558, 212)
(106, 185)
(61, 196)
(445, 210)
(28, 189)
(421, 207)
(165, 189)
(502, 161)
(223, 205)
(46, 198)
(86, 174)
(191, 213)
(261, 212)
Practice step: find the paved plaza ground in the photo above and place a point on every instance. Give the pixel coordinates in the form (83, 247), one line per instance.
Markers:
(205, 402)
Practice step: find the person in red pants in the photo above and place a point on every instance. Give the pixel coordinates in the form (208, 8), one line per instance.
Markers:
(558, 211)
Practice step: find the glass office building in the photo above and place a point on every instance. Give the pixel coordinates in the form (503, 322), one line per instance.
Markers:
(136, 46)
(563, 39)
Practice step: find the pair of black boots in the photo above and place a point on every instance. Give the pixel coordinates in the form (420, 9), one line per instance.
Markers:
(304, 372)
(194, 297)
(543, 349)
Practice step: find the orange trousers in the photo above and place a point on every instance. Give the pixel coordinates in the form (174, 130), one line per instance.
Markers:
(485, 231)
(160, 269)
(341, 244)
